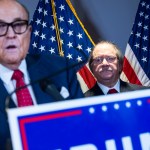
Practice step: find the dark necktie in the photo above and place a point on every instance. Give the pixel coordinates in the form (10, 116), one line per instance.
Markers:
(23, 95)
(111, 91)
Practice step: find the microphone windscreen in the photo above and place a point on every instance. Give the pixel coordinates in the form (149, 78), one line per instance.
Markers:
(51, 89)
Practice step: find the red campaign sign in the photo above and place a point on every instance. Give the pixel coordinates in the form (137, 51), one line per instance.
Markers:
(113, 122)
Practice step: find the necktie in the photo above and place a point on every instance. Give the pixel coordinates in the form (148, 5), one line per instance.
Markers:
(23, 95)
(111, 91)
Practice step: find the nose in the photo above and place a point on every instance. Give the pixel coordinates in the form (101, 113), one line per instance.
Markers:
(104, 61)
(10, 32)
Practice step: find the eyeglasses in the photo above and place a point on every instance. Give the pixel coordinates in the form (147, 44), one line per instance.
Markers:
(109, 59)
(19, 27)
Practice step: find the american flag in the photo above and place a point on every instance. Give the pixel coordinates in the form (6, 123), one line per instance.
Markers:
(58, 30)
(136, 68)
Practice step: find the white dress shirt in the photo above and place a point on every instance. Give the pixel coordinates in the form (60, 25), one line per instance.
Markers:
(10, 85)
(106, 89)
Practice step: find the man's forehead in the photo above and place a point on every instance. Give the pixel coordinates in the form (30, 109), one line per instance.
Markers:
(103, 46)
(14, 14)
(104, 49)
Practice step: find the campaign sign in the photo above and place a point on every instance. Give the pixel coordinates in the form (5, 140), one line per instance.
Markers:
(112, 122)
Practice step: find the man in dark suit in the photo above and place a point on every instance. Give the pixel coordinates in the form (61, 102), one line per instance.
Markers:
(106, 63)
(18, 69)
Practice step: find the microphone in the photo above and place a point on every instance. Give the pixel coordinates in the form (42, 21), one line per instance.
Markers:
(51, 89)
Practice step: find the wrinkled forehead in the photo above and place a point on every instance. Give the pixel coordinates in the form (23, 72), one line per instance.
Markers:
(104, 49)
(10, 10)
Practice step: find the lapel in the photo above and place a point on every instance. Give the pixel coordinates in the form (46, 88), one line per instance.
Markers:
(124, 86)
(97, 90)
(94, 91)
(6, 102)
(4, 94)
(36, 72)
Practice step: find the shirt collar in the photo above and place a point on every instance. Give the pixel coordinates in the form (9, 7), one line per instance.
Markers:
(6, 73)
(105, 89)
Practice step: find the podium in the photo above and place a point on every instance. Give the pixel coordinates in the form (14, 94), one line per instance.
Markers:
(113, 122)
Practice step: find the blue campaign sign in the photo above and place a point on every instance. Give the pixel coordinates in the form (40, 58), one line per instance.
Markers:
(113, 122)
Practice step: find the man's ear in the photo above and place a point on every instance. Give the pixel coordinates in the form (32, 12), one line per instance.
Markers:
(120, 68)
(30, 28)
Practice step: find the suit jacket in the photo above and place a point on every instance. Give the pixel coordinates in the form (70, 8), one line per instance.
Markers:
(124, 87)
(41, 66)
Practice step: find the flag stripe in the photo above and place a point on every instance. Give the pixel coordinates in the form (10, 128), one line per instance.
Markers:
(86, 75)
(133, 69)
(124, 77)
(138, 70)
(129, 71)
(83, 85)
(136, 65)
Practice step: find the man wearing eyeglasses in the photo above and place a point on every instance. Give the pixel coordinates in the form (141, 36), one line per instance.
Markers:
(106, 63)
(17, 69)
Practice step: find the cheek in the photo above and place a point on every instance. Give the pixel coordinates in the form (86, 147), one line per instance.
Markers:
(3, 54)
(24, 44)
(116, 68)
(94, 67)
(1, 43)
(115, 65)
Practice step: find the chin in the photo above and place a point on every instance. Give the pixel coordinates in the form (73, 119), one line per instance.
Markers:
(13, 60)
(108, 77)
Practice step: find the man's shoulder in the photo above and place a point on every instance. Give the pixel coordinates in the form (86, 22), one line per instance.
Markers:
(94, 91)
(52, 60)
(44, 56)
(131, 87)
(44, 59)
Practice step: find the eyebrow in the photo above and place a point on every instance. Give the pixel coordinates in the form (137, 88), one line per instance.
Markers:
(15, 19)
(106, 55)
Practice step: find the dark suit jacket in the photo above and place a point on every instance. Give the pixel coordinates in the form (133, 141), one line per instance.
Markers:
(40, 67)
(124, 87)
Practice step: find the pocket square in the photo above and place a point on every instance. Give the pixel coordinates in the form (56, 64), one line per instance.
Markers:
(64, 92)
